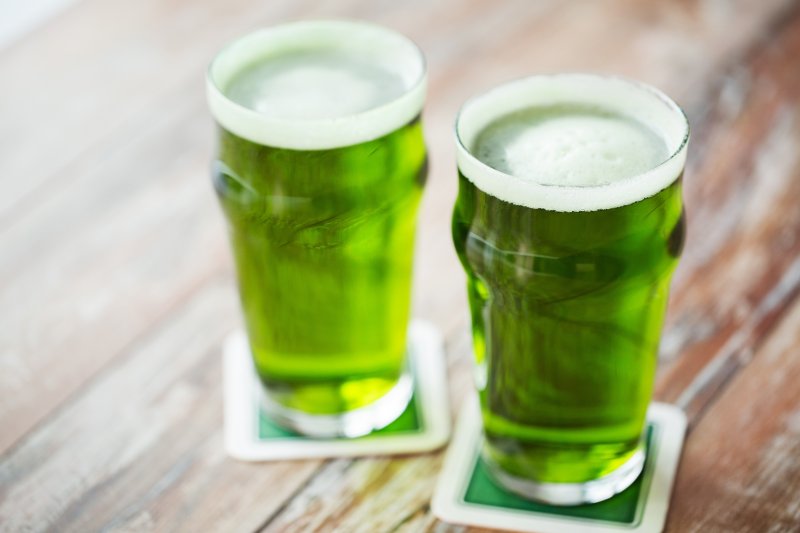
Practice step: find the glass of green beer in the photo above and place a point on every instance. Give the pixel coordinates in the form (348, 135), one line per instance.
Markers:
(320, 168)
(569, 223)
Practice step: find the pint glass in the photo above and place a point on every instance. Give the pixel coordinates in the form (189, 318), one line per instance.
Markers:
(320, 168)
(569, 224)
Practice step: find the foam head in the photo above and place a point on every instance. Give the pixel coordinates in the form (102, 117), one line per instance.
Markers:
(317, 85)
(314, 85)
(572, 142)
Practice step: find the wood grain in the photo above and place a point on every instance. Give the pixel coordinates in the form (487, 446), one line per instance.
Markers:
(744, 225)
(116, 287)
(93, 269)
(142, 447)
(740, 468)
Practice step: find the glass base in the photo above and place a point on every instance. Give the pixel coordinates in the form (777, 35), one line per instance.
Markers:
(592, 491)
(355, 423)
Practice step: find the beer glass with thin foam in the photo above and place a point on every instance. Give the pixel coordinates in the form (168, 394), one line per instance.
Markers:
(320, 168)
(569, 224)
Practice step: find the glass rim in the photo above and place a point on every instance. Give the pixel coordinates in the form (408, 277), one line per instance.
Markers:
(572, 198)
(324, 133)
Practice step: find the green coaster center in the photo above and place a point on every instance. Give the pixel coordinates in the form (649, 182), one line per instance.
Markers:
(408, 422)
(624, 508)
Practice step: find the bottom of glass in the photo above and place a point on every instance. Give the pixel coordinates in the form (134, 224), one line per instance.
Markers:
(355, 423)
(592, 491)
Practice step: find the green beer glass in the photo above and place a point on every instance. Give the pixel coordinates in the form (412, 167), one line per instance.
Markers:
(569, 223)
(320, 169)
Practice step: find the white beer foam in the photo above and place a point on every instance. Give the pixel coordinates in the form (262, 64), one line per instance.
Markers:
(631, 150)
(569, 145)
(317, 85)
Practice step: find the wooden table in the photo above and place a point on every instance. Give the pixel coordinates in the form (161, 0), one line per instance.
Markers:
(116, 283)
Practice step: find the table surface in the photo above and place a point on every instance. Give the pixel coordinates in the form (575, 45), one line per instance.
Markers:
(117, 289)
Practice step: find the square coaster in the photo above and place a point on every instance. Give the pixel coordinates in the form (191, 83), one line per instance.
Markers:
(250, 435)
(466, 494)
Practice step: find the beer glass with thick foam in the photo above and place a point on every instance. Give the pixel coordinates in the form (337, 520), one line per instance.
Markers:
(569, 224)
(320, 168)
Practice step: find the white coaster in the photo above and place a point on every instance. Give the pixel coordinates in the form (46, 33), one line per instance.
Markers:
(250, 435)
(465, 494)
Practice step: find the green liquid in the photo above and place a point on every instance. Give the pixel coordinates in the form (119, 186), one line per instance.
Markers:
(323, 244)
(567, 310)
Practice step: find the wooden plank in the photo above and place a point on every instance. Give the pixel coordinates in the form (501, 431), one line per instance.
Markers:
(94, 269)
(740, 469)
(141, 449)
(744, 225)
(378, 494)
